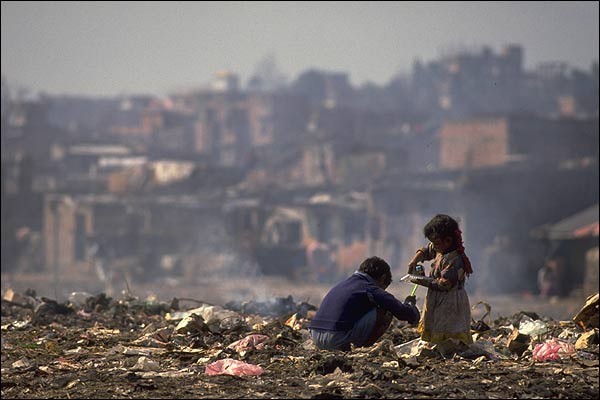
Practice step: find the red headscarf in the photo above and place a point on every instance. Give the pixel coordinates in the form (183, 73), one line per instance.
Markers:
(461, 250)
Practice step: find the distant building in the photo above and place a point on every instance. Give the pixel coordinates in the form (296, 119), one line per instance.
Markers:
(321, 88)
(463, 83)
(92, 237)
(495, 141)
(575, 241)
(231, 126)
(302, 233)
(226, 81)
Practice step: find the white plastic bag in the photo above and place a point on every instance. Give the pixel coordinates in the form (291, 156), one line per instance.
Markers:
(531, 327)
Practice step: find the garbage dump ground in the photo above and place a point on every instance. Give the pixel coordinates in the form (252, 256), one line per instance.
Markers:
(95, 346)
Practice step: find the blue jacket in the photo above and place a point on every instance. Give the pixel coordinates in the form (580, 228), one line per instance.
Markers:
(352, 298)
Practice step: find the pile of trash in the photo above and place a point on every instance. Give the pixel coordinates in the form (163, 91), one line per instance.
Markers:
(97, 346)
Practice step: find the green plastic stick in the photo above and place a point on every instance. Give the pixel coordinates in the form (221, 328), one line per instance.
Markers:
(414, 290)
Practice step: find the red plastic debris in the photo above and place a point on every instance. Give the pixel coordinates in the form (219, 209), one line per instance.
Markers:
(229, 366)
(552, 349)
(250, 341)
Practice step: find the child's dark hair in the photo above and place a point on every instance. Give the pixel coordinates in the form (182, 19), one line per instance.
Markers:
(376, 268)
(442, 226)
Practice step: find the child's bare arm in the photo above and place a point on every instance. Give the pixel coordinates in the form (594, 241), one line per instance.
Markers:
(415, 260)
(423, 254)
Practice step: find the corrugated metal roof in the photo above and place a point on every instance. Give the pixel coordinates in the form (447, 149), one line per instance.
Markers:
(580, 225)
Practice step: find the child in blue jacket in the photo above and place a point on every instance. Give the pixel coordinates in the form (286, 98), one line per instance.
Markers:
(358, 310)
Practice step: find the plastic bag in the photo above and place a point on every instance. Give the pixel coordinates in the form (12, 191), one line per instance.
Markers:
(229, 366)
(212, 315)
(410, 349)
(552, 349)
(252, 341)
(531, 327)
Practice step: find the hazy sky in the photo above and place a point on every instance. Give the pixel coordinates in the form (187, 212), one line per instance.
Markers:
(109, 48)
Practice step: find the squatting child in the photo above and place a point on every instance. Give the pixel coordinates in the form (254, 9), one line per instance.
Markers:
(359, 310)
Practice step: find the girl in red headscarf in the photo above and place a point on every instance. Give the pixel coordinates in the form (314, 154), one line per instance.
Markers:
(446, 312)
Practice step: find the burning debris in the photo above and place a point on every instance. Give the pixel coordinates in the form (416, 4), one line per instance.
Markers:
(278, 307)
(97, 346)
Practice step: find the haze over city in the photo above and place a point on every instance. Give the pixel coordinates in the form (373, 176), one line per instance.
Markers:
(191, 189)
(111, 48)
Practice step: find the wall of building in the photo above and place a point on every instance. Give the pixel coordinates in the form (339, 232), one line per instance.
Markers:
(474, 143)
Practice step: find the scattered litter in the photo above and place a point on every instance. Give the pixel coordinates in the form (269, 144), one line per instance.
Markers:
(83, 314)
(278, 307)
(482, 348)
(587, 339)
(136, 351)
(22, 300)
(158, 338)
(518, 342)
(79, 298)
(77, 350)
(214, 316)
(480, 325)
(145, 364)
(252, 341)
(294, 322)
(71, 384)
(141, 347)
(229, 366)
(531, 327)
(552, 349)
(23, 363)
(410, 349)
(587, 317)
(16, 325)
(192, 323)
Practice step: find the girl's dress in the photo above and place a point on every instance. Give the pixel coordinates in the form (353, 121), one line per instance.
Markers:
(446, 312)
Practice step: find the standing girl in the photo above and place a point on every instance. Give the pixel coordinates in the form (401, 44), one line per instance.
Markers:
(446, 312)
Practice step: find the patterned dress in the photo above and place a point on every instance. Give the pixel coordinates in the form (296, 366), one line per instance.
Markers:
(446, 312)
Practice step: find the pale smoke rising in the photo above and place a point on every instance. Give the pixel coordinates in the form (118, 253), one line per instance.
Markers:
(224, 267)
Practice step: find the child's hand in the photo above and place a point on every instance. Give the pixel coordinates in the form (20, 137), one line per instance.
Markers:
(418, 270)
(411, 266)
(413, 263)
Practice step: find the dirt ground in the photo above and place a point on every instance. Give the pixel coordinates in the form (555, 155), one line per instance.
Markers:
(134, 347)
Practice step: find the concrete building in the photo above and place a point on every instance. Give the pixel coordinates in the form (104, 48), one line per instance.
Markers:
(573, 241)
(496, 141)
(103, 238)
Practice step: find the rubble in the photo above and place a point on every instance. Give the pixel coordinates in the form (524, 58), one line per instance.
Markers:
(518, 342)
(587, 340)
(23, 300)
(588, 315)
(97, 346)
